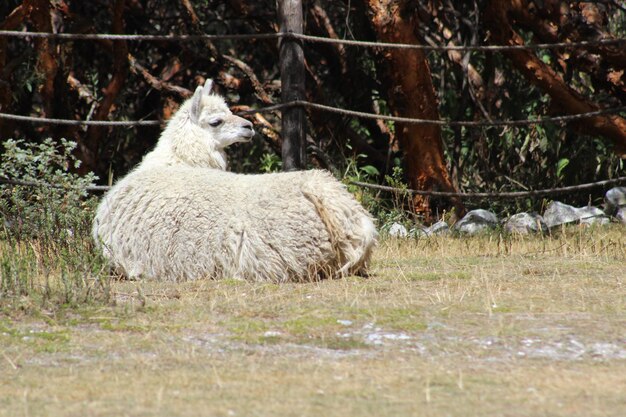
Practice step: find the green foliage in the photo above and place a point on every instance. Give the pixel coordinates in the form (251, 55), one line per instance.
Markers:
(270, 162)
(356, 172)
(560, 166)
(396, 209)
(52, 211)
(46, 252)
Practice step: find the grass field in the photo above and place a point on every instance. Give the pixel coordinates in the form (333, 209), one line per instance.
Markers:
(490, 325)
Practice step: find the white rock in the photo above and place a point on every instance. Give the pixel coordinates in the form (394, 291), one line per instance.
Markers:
(558, 213)
(439, 228)
(476, 221)
(593, 215)
(524, 223)
(398, 230)
(621, 215)
(614, 199)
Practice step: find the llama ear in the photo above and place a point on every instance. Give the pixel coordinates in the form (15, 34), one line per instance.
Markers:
(195, 103)
(208, 86)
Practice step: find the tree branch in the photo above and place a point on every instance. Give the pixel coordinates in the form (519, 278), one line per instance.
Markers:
(156, 83)
(544, 77)
(249, 72)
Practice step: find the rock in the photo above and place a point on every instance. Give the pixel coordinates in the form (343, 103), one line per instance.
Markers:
(397, 230)
(439, 228)
(524, 223)
(614, 199)
(558, 213)
(621, 215)
(593, 215)
(476, 221)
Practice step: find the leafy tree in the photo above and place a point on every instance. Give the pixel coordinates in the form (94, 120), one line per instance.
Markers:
(134, 80)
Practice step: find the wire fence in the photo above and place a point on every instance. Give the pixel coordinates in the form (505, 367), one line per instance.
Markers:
(42, 184)
(401, 191)
(321, 107)
(466, 123)
(308, 38)
(108, 123)
(499, 195)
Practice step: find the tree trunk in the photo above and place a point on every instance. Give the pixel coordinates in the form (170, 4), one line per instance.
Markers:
(411, 94)
(497, 16)
(292, 77)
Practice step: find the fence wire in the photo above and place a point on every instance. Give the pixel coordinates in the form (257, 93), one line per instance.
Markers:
(403, 191)
(500, 195)
(107, 123)
(308, 38)
(23, 183)
(465, 123)
(461, 48)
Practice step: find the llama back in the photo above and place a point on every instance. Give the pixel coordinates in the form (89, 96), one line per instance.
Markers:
(189, 223)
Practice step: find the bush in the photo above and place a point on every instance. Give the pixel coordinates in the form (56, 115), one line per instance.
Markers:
(46, 251)
(57, 209)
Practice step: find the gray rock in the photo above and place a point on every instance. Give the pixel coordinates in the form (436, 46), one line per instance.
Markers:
(593, 215)
(439, 228)
(524, 223)
(614, 199)
(558, 213)
(397, 230)
(621, 215)
(476, 221)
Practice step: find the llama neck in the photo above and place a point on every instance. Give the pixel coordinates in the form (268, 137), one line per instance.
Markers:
(184, 143)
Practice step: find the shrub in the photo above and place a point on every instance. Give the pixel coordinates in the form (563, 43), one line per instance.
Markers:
(46, 251)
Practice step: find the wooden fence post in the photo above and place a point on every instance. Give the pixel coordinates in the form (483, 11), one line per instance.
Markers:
(292, 78)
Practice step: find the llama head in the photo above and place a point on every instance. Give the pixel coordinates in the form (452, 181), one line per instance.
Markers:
(218, 124)
(198, 133)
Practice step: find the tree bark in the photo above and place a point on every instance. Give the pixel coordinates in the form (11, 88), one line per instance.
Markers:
(411, 94)
(497, 17)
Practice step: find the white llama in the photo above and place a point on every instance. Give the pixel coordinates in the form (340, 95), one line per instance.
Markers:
(180, 216)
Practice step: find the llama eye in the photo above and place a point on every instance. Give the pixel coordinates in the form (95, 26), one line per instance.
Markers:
(216, 122)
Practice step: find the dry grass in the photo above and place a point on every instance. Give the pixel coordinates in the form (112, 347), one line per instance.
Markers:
(445, 326)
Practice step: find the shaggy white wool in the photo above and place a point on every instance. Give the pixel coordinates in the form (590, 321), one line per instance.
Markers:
(180, 216)
(183, 223)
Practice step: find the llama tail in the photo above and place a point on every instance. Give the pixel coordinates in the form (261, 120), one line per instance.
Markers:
(351, 231)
